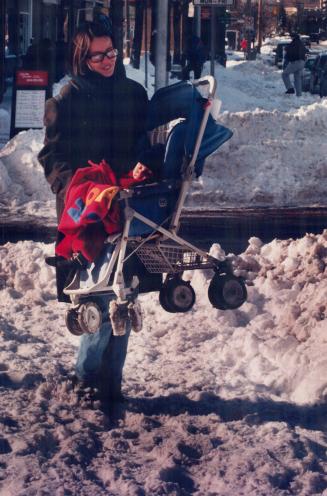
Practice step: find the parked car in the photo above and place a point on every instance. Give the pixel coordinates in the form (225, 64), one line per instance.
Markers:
(307, 71)
(280, 53)
(305, 40)
(314, 37)
(318, 78)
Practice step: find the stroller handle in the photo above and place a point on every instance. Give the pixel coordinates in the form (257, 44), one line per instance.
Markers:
(188, 171)
(207, 80)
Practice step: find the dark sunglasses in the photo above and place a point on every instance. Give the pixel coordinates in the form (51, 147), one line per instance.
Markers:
(111, 53)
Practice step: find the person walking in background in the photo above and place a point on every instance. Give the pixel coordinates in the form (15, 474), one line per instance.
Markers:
(244, 45)
(295, 54)
(195, 56)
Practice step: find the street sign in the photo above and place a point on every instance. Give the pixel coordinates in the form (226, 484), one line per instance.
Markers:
(213, 2)
(30, 91)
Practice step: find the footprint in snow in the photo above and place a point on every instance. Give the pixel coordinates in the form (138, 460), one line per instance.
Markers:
(149, 424)
(189, 451)
(4, 446)
(9, 422)
(179, 477)
(16, 381)
(131, 434)
(193, 429)
(188, 455)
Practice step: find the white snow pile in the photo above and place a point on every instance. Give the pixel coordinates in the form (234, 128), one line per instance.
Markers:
(273, 159)
(222, 402)
(23, 187)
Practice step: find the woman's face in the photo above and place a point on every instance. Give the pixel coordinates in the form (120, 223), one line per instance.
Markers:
(102, 56)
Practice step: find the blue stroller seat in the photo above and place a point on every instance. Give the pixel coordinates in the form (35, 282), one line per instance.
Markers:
(179, 101)
(149, 249)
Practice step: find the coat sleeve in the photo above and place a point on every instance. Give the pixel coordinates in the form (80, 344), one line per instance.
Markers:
(54, 156)
(151, 156)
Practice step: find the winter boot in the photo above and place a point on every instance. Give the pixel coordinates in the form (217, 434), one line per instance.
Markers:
(290, 91)
(118, 316)
(135, 315)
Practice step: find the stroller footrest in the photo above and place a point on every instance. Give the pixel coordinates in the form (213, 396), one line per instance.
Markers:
(152, 189)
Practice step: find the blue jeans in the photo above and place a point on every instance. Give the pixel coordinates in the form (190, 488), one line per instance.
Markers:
(295, 68)
(101, 356)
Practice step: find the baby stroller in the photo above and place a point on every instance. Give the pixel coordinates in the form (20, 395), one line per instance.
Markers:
(148, 255)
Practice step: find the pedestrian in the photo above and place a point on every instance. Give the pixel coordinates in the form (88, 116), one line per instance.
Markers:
(244, 45)
(294, 60)
(99, 115)
(195, 57)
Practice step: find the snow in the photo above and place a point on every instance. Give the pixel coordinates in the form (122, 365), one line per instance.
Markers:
(220, 402)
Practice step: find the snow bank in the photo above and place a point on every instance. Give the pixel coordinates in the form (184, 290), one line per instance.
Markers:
(273, 159)
(272, 346)
(23, 187)
(221, 402)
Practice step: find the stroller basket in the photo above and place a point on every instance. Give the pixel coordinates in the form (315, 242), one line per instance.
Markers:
(172, 258)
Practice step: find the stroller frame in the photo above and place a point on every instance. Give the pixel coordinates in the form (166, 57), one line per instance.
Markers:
(161, 251)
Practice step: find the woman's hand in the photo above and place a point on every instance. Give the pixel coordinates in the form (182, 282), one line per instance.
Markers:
(141, 171)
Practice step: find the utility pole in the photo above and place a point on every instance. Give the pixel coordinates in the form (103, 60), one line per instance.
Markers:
(161, 77)
(71, 23)
(146, 54)
(197, 21)
(128, 30)
(259, 25)
(212, 40)
(2, 49)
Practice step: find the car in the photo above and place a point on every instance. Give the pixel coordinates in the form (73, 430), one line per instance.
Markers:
(318, 78)
(305, 40)
(315, 37)
(280, 53)
(307, 71)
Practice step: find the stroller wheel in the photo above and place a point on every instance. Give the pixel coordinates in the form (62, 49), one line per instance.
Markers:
(177, 295)
(89, 317)
(164, 301)
(72, 323)
(227, 292)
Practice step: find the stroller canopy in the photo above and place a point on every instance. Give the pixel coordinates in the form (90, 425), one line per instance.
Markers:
(183, 100)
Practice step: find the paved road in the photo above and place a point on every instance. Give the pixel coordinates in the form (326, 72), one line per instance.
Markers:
(230, 227)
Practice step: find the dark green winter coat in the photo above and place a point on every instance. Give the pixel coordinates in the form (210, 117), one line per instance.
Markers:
(94, 118)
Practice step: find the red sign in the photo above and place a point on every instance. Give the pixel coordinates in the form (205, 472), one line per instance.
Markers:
(31, 78)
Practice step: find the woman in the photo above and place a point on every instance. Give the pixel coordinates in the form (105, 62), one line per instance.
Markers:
(100, 114)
